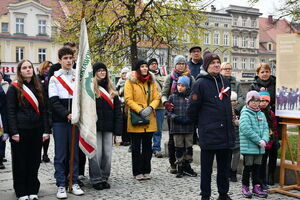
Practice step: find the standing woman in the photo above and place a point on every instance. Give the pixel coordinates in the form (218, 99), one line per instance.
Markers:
(142, 98)
(43, 76)
(109, 122)
(28, 124)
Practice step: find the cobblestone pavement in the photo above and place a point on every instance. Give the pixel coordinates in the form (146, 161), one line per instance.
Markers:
(163, 185)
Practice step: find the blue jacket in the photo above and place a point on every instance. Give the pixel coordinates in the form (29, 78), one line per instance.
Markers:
(253, 128)
(195, 68)
(213, 116)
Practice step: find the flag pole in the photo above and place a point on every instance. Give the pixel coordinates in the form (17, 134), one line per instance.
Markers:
(73, 125)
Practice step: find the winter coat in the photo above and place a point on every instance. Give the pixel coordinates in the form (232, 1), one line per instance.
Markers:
(23, 116)
(166, 90)
(136, 96)
(195, 67)
(269, 85)
(236, 87)
(180, 102)
(60, 101)
(253, 128)
(109, 119)
(3, 110)
(159, 80)
(213, 115)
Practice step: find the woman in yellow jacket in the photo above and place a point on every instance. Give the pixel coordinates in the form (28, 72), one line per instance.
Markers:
(137, 87)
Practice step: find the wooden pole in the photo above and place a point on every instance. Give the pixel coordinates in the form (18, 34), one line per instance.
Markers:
(72, 157)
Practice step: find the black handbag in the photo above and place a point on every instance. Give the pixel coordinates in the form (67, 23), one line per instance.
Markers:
(137, 119)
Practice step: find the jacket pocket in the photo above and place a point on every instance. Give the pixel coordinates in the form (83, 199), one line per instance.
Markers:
(213, 133)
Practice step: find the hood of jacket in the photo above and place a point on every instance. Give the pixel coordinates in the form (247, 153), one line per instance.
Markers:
(132, 77)
(64, 72)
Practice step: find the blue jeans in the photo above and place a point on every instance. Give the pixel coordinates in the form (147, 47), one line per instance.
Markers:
(62, 134)
(160, 113)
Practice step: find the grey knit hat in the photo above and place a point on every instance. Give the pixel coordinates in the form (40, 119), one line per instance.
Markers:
(178, 59)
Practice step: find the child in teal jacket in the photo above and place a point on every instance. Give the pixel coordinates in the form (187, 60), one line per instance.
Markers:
(254, 135)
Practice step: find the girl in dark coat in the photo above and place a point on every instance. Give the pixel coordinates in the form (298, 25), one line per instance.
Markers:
(28, 125)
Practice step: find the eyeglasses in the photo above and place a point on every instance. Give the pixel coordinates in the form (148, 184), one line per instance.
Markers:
(227, 69)
(182, 64)
(256, 100)
(102, 70)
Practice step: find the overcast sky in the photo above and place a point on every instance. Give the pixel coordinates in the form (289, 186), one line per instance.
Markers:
(267, 7)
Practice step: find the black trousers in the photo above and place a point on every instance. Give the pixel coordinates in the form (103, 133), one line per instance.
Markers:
(171, 146)
(141, 157)
(223, 166)
(125, 134)
(26, 158)
(272, 155)
(46, 146)
(252, 171)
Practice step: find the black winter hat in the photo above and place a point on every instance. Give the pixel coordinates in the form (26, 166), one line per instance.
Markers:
(138, 64)
(208, 57)
(152, 60)
(195, 47)
(97, 66)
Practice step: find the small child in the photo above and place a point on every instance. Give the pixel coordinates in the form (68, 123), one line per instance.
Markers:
(182, 128)
(254, 135)
(273, 145)
(235, 151)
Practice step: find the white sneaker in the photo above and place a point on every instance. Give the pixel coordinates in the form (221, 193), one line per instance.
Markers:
(33, 197)
(61, 193)
(23, 198)
(76, 190)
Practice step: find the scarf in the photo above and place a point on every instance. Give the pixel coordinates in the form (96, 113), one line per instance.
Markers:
(254, 109)
(175, 76)
(223, 90)
(156, 72)
(143, 79)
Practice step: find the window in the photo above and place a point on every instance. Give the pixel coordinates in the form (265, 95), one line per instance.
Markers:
(226, 25)
(263, 60)
(253, 23)
(207, 38)
(4, 27)
(216, 24)
(252, 63)
(244, 22)
(206, 23)
(42, 55)
(225, 59)
(226, 39)
(235, 21)
(19, 54)
(252, 42)
(270, 47)
(235, 40)
(244, 42)
(42, 26)
(244, 63)
(216, 38)
(234, 62)
(19, 25)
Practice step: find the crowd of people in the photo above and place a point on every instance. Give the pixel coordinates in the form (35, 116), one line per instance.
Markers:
(200, 99)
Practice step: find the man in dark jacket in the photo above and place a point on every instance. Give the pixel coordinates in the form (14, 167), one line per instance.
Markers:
(196, 60)
(209, 106)
(4, 124)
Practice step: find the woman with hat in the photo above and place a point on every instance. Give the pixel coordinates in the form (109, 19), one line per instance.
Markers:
(142, 98)
(109, 122)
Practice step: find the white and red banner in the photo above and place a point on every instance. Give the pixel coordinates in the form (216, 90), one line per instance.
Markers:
(105, 95)
(84, 105)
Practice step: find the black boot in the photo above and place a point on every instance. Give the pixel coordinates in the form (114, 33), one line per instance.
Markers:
(1, 164)
(179, 171)
(187, 169)
(233, 177)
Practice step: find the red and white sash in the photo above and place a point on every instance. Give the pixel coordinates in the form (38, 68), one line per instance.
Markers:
(28, 94)
(105, 95)
(65, 83)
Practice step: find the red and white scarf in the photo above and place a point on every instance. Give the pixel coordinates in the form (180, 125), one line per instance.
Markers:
(65, 83)
(28, 94)
(105, 95)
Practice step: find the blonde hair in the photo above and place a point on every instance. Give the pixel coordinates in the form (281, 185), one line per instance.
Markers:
(263, 66)
(43, 67)
(110, 86)
(223, 65)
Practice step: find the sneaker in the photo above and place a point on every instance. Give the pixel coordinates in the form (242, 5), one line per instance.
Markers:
(98, 186)
(105, 185)
(46, 159)
(139, 177)
(23, 198)
(158, 154)
(61, 193)
(76, 190)
(33, 197)
(173, 169)
(257, 191)
(147, 177)
(246, 191)
(224, 197)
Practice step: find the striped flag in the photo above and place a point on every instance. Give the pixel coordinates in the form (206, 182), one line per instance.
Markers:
(84, 105)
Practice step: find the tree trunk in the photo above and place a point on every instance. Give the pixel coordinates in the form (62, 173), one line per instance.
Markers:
(133, 34)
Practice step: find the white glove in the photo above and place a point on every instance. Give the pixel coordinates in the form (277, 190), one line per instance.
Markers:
(5, 137)
(146, 112)
(262, 144)
(46, 136)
